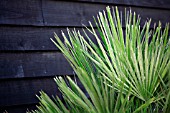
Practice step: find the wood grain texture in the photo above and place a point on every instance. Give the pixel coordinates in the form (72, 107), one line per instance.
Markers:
(64, 13)
(21, 12)
(33, 64)
(18, 108)
(15, 92)
(27, 38)
(30, 38)
(23, 91)
(165, 4)
(76, 14)
(29, 60)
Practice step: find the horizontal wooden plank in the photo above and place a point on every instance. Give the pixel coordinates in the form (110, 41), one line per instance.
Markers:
(21, 12)
(18, 108)
(33, 64)
(27, 38)
(30, 38)
(15, 92)
(64, 13)
(142, 3)
(23, 91)
(76, 14)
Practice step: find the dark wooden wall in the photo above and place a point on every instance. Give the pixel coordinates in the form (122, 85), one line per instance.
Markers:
(29, 60)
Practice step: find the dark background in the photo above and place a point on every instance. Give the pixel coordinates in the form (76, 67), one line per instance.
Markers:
(29, 60)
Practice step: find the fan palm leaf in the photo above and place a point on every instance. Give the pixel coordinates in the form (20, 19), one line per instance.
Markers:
(124, 70)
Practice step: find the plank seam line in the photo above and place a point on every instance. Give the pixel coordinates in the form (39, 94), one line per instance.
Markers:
(42, 13)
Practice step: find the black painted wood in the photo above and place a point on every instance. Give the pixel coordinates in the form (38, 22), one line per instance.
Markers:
(21, 12)
(33, 64)
(52, 13)
(17, 92)
(76, 14)
(31, 38)
(23, 91)
(142, 3)
(18, 108)
(29, 60)
(27, 38)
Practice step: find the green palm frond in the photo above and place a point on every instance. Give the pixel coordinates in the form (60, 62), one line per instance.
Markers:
(125, 70)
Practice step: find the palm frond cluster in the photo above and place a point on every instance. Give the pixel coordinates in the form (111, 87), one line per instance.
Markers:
(125, 70)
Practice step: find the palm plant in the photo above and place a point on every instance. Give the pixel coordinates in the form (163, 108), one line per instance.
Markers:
(125, 71)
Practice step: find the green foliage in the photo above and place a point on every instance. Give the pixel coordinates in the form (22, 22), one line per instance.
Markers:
(125, 71)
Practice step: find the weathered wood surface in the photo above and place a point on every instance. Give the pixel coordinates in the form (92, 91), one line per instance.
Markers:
(76, 14)
(29, 60)
(21, 12)
(23, 91)
(14, 92)
(142, 3)
(33, 64)
(64, 13)
(18, 108)
(31, 38)
(27, 38)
